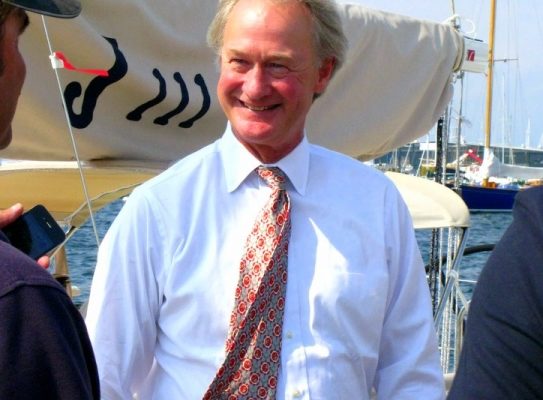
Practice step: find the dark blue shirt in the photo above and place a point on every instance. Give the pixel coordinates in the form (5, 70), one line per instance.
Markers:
(502, 354)
(45, 352)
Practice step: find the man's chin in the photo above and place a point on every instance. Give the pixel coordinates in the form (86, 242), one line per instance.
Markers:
(252, 129)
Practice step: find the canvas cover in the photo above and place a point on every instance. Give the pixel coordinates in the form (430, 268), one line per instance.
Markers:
(493, 167)
(57, 186)
(159, 101)
(431, 204)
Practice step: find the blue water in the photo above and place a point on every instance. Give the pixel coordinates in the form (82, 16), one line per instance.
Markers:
(81, 250)
(486, 228)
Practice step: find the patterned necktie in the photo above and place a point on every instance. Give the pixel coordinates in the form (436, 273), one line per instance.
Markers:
(253, 346)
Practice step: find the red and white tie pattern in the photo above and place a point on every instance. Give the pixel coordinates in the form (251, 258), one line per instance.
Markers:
(253, 346)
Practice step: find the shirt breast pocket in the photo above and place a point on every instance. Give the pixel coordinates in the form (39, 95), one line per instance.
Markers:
(348, 305)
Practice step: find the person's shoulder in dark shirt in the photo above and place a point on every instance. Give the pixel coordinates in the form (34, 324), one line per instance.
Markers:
(44, 347)
(16, 269)
(503, 348)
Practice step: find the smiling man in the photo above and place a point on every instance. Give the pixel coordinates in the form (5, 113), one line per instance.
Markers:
(263, 266)
(270, 76)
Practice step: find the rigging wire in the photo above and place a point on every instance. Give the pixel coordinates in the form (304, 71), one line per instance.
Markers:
(538, 15)
(538, 18)
(72, 138)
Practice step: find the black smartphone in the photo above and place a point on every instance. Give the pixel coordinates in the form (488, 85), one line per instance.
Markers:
(35, 232)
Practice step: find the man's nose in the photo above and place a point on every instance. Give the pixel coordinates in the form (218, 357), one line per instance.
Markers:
(256, 83)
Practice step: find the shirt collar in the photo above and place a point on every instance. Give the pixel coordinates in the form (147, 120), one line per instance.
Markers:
(239, 162)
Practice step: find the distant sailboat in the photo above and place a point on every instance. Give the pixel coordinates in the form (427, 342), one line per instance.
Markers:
(481, 193)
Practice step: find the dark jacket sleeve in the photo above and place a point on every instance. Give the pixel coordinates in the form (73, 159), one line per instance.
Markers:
(45, 352)
(502, 354)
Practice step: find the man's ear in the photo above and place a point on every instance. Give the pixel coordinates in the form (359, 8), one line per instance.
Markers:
(325, 72)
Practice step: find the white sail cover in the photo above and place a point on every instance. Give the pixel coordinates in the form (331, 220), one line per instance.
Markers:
(57, 186)
(493, 167)
(431, 204)
(159, 101)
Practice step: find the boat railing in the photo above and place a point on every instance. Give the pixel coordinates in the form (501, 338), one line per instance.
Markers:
(440, 210)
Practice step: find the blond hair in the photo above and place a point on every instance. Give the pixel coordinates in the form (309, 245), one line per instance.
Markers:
(329, 39)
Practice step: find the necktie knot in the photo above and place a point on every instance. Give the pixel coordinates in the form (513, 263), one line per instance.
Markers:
(273, 176)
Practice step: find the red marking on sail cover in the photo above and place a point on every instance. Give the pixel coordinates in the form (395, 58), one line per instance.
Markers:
(64, 63)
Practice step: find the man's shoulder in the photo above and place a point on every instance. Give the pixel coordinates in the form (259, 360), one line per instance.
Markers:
(529, 204)
(183, 171)
(532, 196)
(347, 164)
(17, 269)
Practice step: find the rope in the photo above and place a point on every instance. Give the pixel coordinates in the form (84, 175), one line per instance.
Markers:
(72, 138)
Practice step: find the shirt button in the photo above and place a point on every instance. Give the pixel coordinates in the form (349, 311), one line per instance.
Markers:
(296, 394)
(290, 335)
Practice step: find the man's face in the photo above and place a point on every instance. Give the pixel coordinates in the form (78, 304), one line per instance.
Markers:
(13, 73)
(269, 75)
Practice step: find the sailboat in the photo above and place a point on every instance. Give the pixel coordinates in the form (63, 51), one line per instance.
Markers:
(134, 100)
(105, 101)
(486, 194)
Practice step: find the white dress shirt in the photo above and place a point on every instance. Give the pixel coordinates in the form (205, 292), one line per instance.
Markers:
(357, 313)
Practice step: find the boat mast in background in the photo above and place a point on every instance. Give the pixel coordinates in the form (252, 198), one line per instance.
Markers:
(489, 82)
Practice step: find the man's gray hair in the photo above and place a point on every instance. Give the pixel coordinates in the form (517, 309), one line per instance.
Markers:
(329, 39)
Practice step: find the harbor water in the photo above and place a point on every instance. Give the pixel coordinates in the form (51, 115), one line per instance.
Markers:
(486, 228)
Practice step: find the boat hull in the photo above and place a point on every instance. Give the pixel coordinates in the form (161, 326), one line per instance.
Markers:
(479, 198)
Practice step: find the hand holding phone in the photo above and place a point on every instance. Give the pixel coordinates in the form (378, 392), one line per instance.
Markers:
(8, 215)
(35, 232)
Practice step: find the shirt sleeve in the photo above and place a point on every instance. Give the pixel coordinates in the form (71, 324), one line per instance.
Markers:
(44, 347)
(409, 366)
(502, 351)
(124, 301)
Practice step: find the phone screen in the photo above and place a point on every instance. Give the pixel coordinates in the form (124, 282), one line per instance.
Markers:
(35, 233)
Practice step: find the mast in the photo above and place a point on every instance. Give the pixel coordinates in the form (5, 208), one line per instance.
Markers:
(489, 81)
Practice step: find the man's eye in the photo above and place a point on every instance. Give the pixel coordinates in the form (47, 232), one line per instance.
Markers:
(278, 70)
(277, 66)
(238, 62)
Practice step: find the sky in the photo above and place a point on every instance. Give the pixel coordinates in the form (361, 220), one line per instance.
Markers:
(517, 115)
